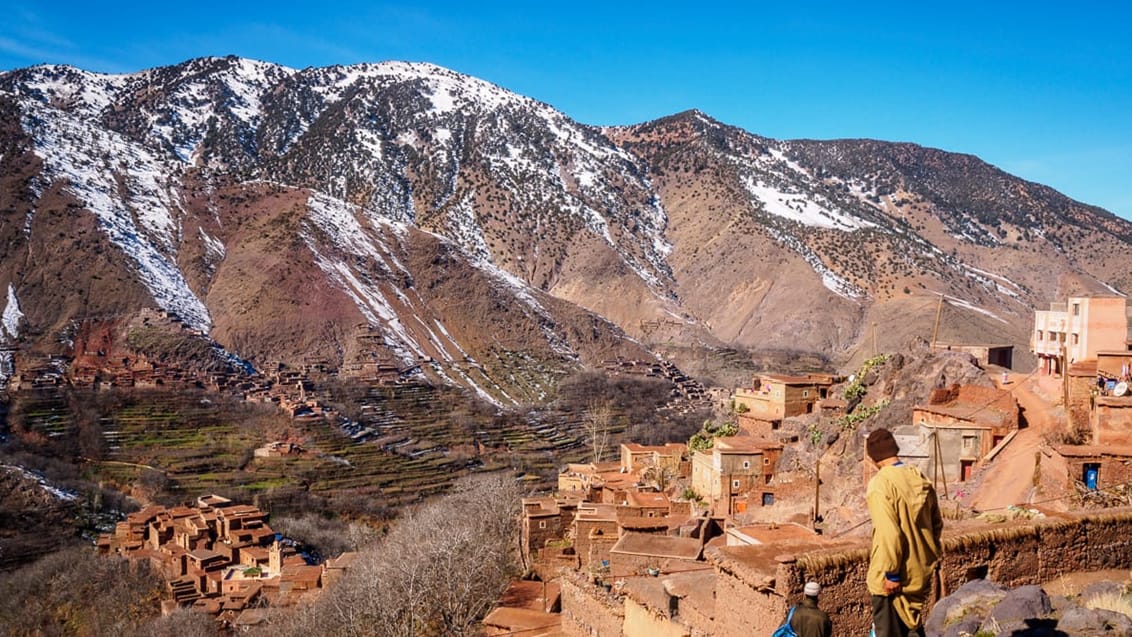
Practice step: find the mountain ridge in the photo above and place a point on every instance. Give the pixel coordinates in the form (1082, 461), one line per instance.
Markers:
(279, 209)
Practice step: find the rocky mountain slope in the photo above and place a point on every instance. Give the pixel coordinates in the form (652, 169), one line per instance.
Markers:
(406, 215)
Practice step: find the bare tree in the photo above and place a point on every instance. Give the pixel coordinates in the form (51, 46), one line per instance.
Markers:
(597, 422)
(438, 571)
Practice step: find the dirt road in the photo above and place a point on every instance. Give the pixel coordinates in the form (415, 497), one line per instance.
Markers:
(1009, 479)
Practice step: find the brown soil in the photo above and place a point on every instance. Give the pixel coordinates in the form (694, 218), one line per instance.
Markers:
(1009, 479)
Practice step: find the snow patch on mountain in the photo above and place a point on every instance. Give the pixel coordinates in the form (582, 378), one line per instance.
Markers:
(800, 207)
(82, 92)
(127, 188)
(37, 478)
(996, 282)
(214, 248)
(12, 316)
(464, 228)
(967, 305)
(829, 278)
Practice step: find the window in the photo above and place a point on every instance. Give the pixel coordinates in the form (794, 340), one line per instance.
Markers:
(746, 464)
(968, 443)
(1039, 335)
(734, 484)
(1076, 309)
(542, 524)
(1075, 339)
(805, 393)
(766, 460)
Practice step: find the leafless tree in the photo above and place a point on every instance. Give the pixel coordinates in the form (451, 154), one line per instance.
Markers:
(599, 418)
(438, 571)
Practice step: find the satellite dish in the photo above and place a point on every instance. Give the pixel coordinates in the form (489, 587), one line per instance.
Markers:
(1120, 389)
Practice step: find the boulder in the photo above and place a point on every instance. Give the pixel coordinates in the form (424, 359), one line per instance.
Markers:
(965, 609)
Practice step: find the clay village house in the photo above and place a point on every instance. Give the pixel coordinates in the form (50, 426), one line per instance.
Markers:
(957, 429)
(734, 469)
(1111, 418)
(219, 557)
(999, 354)
(773, 397)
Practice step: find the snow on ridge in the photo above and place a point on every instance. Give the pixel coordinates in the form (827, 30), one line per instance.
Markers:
(138, 218)
(58, 493)
(829, 279)
(990, 279)
(800, 207)
(12, 316)
(338, 221)
(967, 305)
(84, 92)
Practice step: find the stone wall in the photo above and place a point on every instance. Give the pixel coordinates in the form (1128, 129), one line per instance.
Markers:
(1015, 555)
(588, 610)
(752, 595)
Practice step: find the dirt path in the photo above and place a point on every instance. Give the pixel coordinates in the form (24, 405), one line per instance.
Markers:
(1009, 479)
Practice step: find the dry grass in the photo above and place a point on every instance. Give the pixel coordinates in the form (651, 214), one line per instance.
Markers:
(1116, 602)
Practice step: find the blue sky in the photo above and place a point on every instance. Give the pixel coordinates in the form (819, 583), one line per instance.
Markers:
(1041, 90)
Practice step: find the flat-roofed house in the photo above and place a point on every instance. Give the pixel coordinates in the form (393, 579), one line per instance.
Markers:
(773, 397)
(958, 427)
(1078, 329)
(637, 553)
(636, 458)
(732, 469)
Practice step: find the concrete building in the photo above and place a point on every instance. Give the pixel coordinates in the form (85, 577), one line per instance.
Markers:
(1078, 329)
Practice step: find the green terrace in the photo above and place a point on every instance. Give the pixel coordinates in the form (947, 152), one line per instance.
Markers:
(175, 445)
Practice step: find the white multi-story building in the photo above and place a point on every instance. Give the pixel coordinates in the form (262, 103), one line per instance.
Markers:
(1078, 329)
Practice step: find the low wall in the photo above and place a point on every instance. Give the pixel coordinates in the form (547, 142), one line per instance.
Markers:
(754, 586)
(1015, 555)
(590, 610)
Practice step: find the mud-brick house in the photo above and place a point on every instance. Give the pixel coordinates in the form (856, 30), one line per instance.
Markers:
(648, 554)
(596, 481)
(636, 458)
(772, 397)
(680, 604)
(768, 533)
(596, 530)
(987, 354)
(958, 427)
(733, 469)
(1111, 399)
(545, 519)
(1095, 466)
(1078, 329)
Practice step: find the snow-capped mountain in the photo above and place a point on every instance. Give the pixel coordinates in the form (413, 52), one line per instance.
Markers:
(406, 214)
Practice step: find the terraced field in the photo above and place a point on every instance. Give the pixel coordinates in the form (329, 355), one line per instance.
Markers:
(410, 442)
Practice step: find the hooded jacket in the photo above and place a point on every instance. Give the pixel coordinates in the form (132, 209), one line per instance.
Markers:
(906, 542)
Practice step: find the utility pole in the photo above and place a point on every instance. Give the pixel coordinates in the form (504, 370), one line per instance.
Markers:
(940, 471)
(938, 313)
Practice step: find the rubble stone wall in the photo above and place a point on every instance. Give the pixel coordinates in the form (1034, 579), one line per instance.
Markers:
(588, 611)
(750, 602)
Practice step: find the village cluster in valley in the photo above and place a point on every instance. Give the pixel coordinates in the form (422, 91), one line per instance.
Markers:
(717, 535)
(665, 541)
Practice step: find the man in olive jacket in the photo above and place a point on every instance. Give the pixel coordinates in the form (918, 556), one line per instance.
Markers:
(808, 619)
(906, 545)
